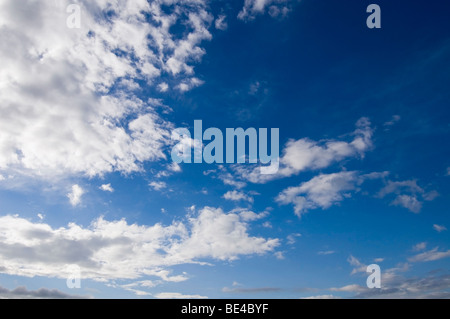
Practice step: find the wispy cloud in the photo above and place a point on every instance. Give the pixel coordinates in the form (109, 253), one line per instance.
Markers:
(420, 246)
(322, 297)
(326, 253)
(221, 23)
(176, 295)
(430, 255)
(292, 238)
(242, 290)
(408, 194)
(439, 228)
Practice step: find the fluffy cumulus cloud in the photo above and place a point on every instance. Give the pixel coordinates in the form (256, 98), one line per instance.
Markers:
(69, 98)
(305, 154)
(75, 195)
(324, 191)
(238, 196)
(107, 188)
(117, 250)
(275, 8)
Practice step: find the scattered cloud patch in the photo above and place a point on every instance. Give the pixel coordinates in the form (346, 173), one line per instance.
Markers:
(238, 196)
(176, 295)
(349, 288)
(292, 238)
(305, 154)
(275, 8)
(221, 23)
(158, 186)
(78, 96)
(279, 255)
(420, 246)
(326, 253)
(439, 228)
(115, 250)
(75, 195)
(394, 120)
(322, 297)
(324, 191)
(242, 290)
(107, 188)
(430, 255)
(408, 194)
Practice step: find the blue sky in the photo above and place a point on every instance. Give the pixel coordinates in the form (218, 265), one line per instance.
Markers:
(86, 176)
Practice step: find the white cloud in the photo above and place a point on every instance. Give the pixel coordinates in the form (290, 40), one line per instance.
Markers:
(176, 295)
(408, 202)
(221, 23)
(158, 186)
(305, 154)
(420, 246)
(279, 255)
(252, 8)
(65, 101)
(238, 196)
(248, 216)
(107, 188)
(322, 297)
(378, 260)
(408, 194)
(267, 225)
(349, 288)
(439, 228)
(430, 255)
(394, 120)
(117, 250)
(41, 216)
(326, 253)
(358, 267)
(323, 191)
(163, 87)
(75, 195)
(189, 84)
(292, 238)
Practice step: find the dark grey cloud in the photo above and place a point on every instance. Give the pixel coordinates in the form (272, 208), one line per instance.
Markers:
(43, 293)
